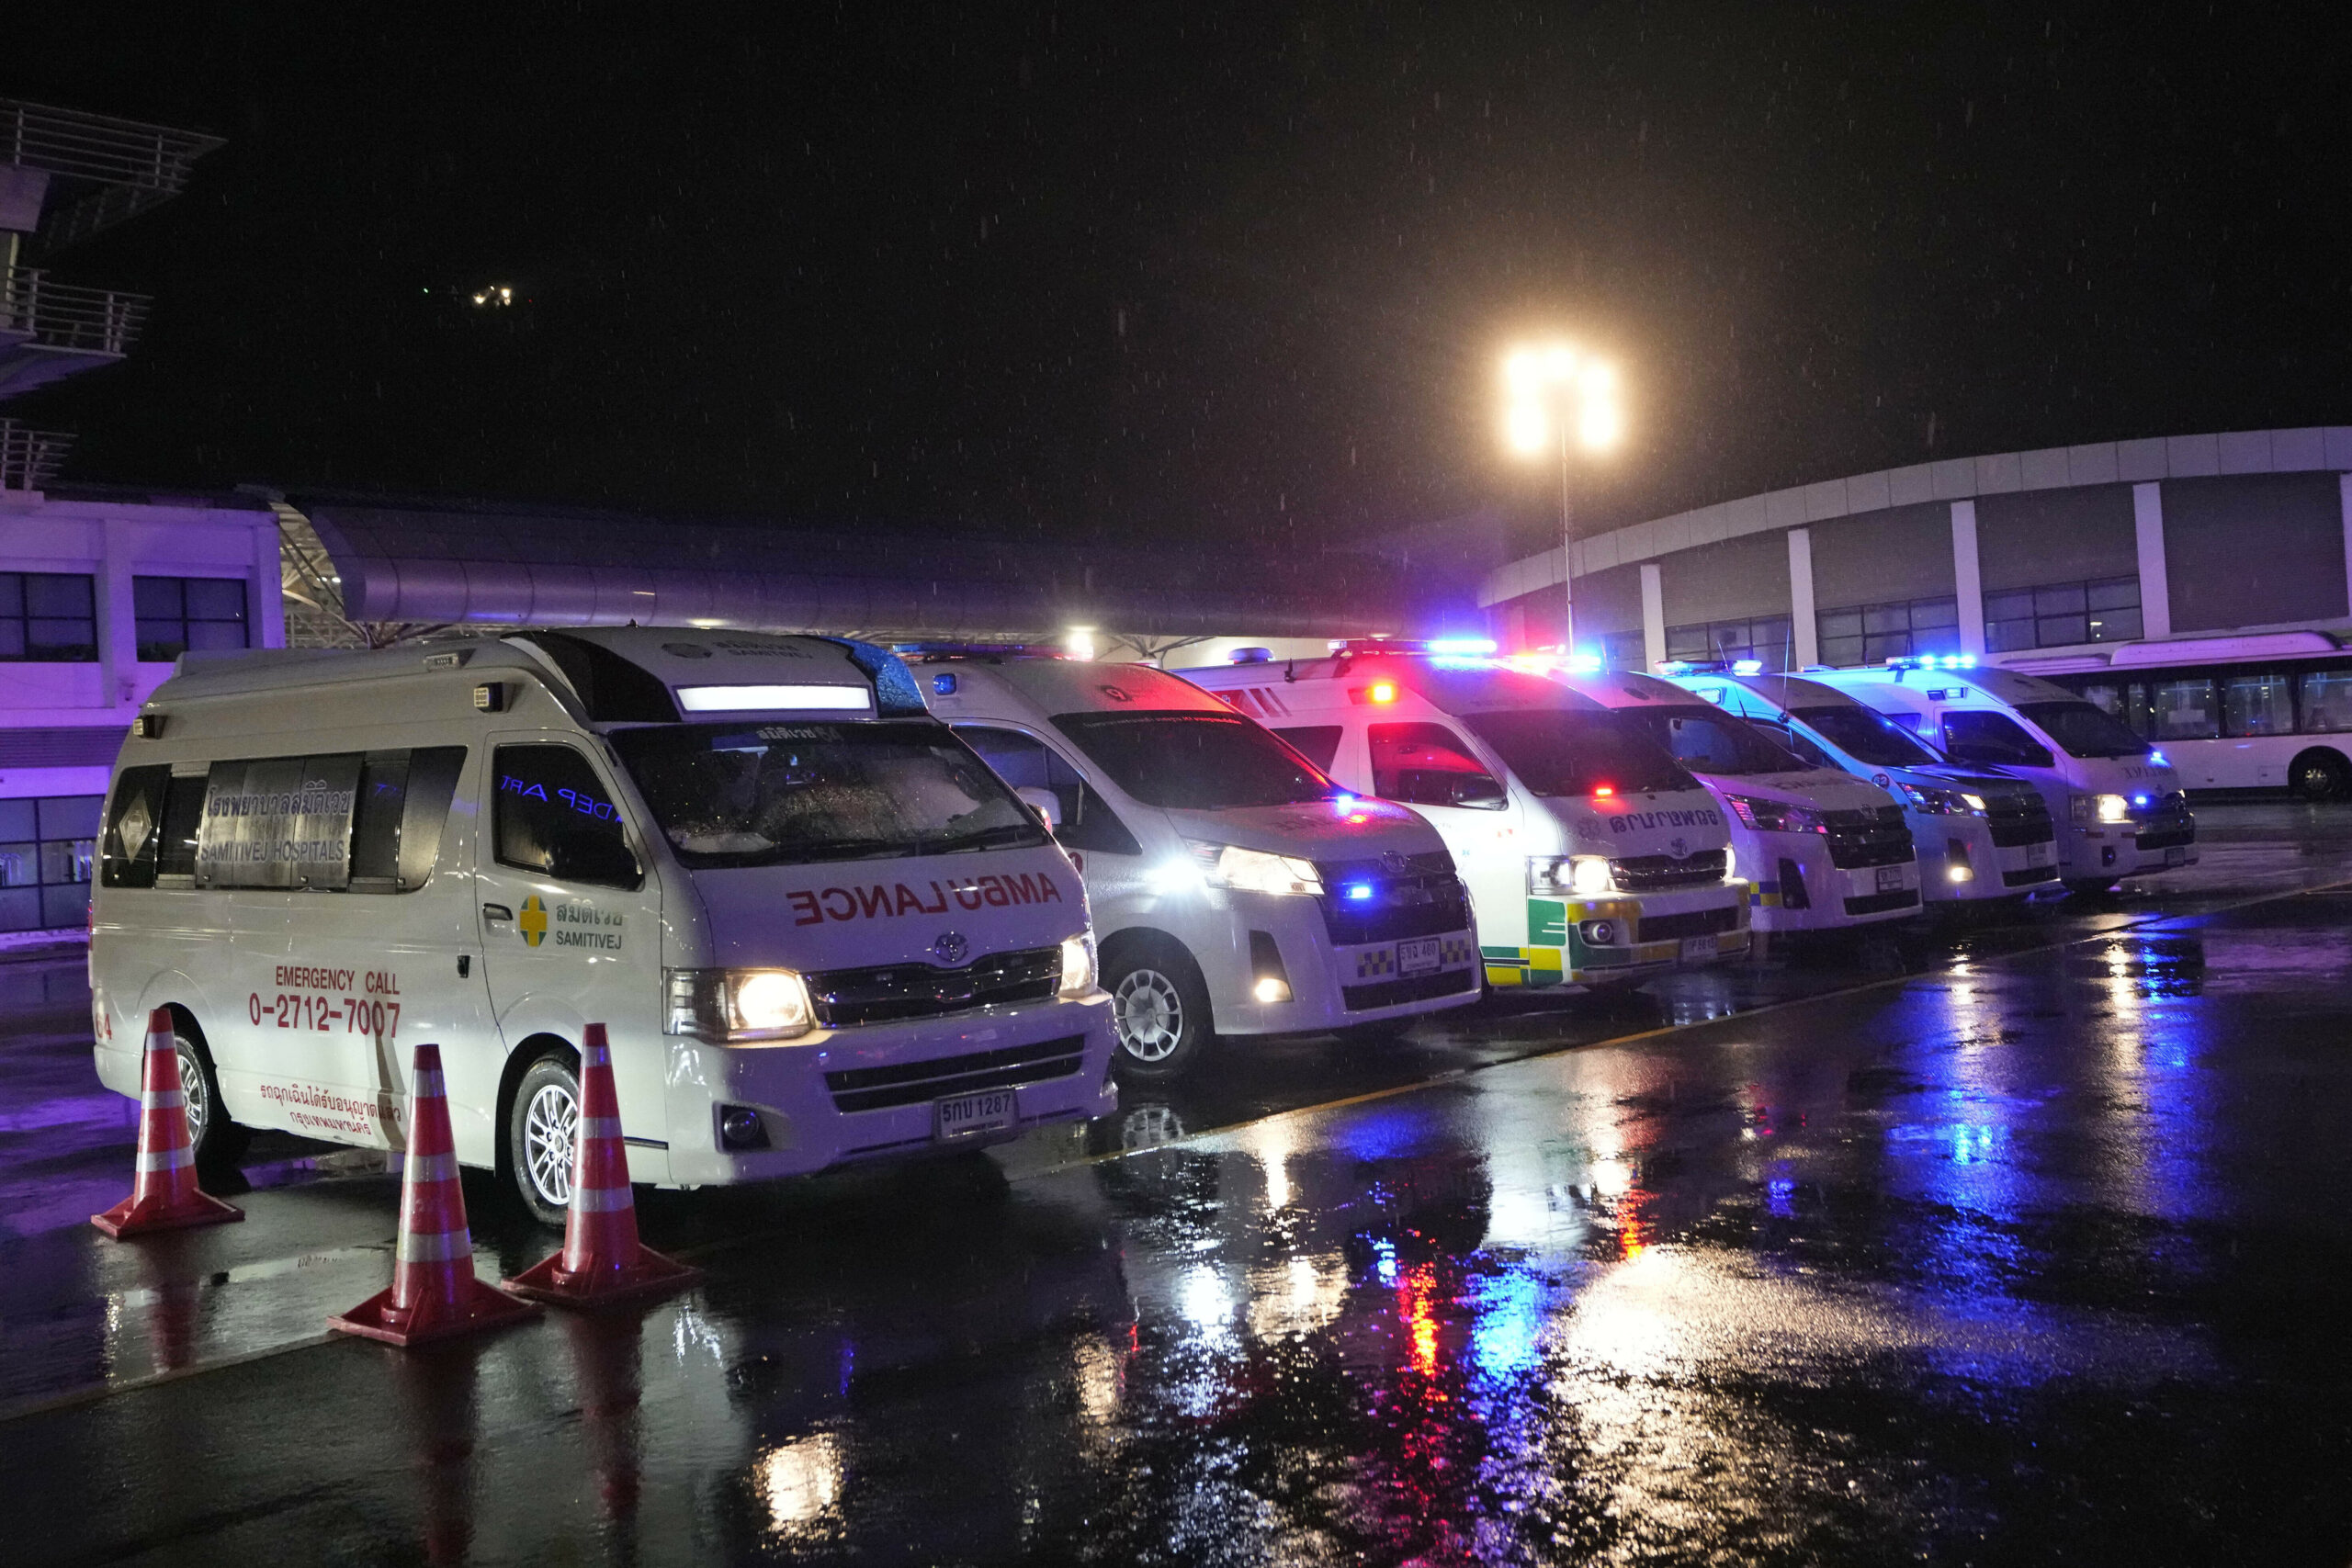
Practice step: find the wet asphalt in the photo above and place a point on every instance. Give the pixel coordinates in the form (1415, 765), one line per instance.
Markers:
(2021, 1239)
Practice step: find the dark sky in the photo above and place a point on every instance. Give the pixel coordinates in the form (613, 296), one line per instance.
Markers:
(1191, 272)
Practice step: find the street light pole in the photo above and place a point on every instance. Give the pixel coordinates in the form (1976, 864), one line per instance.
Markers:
(1554, 392)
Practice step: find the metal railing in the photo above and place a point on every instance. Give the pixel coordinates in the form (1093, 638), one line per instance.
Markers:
(135, 164)
(59, 315)
(29, 458)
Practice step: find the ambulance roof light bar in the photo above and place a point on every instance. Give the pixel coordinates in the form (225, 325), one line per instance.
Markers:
(1930, 662)
(1452, 646)
(937, 650)
(1711, 667)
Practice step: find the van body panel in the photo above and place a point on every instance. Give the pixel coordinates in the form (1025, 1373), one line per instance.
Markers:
(1158, 890)
(2088, 851)
(1524, 940)
(311, 990)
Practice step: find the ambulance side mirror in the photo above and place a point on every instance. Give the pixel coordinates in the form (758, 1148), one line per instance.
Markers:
(1482, 790)
(1043, 802)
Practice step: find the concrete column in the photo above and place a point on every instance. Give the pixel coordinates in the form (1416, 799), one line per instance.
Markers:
(1968, 583)
(2156, 590)
(2344, 503)
(1653, 616)
(118, 620)
(1805, 626)
(266, 612)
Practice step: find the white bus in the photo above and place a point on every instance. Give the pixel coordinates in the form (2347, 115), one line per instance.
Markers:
(819, 928)
(2266, 711)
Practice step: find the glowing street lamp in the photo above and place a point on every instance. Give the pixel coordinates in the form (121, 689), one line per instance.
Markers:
(1555, 398)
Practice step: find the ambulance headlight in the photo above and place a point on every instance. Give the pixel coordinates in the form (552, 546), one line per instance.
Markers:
(725, 1006)
(1580, 876)
(2101, 808)
(1078, 966)
(1255, 871)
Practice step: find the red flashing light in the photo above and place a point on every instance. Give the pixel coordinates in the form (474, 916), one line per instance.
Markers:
(1383, 691)
(1604, 789)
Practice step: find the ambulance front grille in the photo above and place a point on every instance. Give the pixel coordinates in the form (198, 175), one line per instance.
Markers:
(916, 1083)
(890, 992)
(1651, 873)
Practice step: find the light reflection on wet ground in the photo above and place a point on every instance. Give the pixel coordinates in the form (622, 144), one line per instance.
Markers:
(2014, 1259)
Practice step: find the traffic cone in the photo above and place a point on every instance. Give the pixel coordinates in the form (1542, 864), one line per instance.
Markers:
(602, 1263)
(433, 1293)
(163, 1194)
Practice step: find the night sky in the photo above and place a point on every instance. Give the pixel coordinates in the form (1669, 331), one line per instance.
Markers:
(1190, 273)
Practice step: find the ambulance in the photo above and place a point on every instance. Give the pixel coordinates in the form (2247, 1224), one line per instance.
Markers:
(1236, 889)
(817, 928)
(1821, 850)
(1980, 834)
(2117, 800)
(1591, 856)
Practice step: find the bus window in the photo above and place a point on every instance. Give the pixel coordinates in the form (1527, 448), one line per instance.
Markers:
(2327, 701)
(2182, 710)
(2106, 696)
(2257, 704)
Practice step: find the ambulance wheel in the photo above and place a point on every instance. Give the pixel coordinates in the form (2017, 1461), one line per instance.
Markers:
(1159, 1009)
(539, 1133)
(216, 1140)
(2320, 774)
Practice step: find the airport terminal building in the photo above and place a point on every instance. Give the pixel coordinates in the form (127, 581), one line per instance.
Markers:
(2035, 553)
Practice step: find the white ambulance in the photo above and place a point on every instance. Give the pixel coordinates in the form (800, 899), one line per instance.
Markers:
(1591, 856)
(2118, 803)
(817, 927)
(1821, 848)
(1236, 889)
(1980, 834)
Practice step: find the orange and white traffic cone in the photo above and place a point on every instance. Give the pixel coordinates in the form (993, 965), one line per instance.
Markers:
(163, 1194)
(433, 1293)
(602, 1262)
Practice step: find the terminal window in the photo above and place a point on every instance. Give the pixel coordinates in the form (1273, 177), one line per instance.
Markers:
(1623, 650)
(2060, 614)
(47, 845)
(176, 614)
(1765, 639)
(49, 617)
(1872, 634)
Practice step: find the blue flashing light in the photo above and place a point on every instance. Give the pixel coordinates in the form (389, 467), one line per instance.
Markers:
(1460, 645)
(2157, 759)
(1676, 667)
(2138, 800)
(1344, 801)
(1748, 667)
(1360, 892)
(1461, 662)
(1584, 664)
(944, 684)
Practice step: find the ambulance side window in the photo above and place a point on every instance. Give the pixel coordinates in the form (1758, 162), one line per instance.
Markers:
(1319, 743)
(133, 828)
(552, 815)
(1991, 737)
(396, 821)
(1428, 764)
(1025, 763)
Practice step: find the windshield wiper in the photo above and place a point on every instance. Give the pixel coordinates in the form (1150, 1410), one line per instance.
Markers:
(986, 838)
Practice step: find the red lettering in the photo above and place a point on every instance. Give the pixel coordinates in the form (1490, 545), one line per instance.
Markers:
(873, 900)
(804, 908)
(1023, 888)
(1047, 892)
(969, 895)
(848, 911)
(992, 890)
(940, 908)
(908, 903)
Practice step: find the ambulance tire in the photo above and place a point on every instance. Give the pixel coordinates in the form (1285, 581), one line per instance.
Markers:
(1159, 1009)
(541, 1127)
(218, 1143)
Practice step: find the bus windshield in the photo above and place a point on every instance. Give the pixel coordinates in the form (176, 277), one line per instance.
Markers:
(1195, 761)
(732, 795)
(2085, 730)
(1558, 751)
(1866, 736)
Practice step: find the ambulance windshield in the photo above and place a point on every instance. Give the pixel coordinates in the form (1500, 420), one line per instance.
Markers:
(734, 794)
(1556, 751)
(1195, 761)
(1870, 737)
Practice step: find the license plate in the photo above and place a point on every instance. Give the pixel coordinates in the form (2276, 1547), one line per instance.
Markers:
(2175, 857)
(960, 1116)
(1698, 950)
(1890, 878)
(1419, 956)
(2037, 854)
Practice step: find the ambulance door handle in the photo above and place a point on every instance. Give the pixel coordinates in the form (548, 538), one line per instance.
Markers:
(496, 912)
